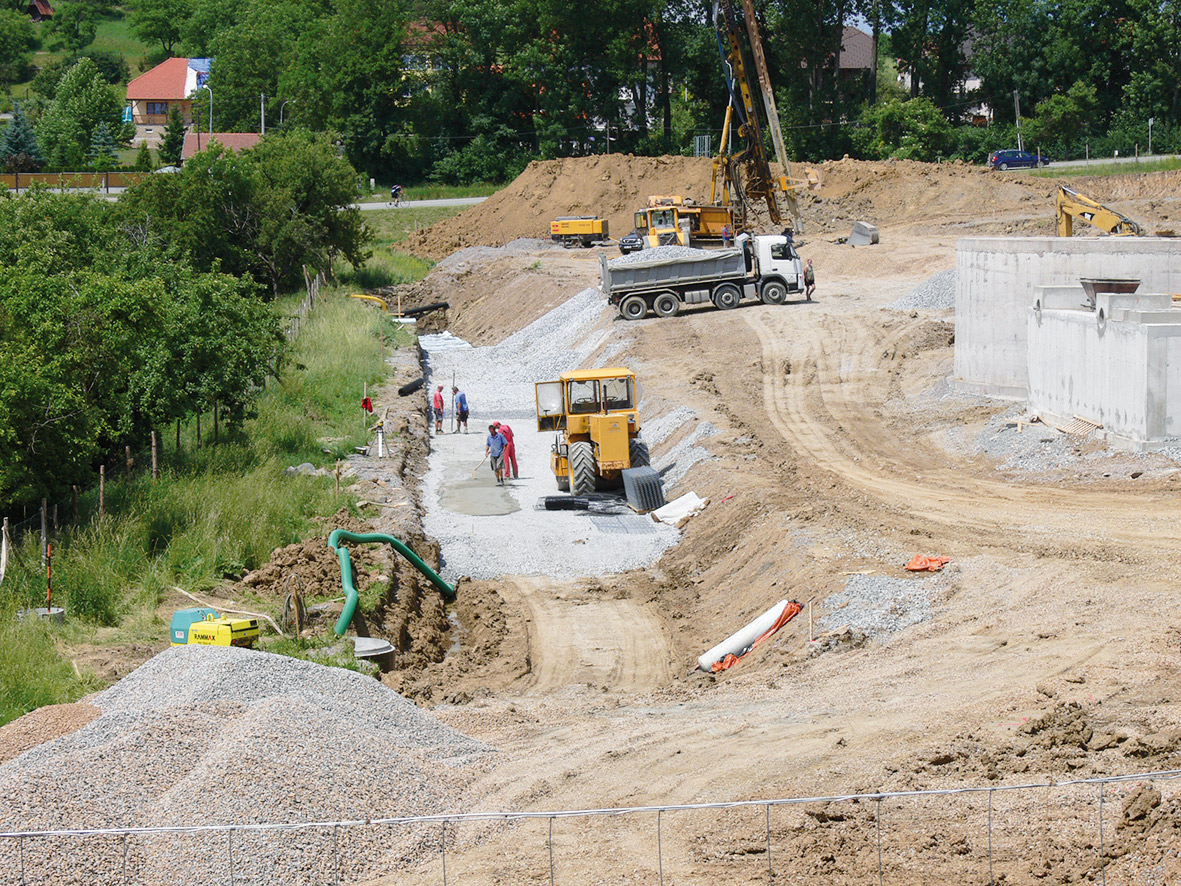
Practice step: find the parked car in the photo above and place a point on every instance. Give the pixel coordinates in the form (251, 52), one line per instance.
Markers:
(631, 242)
(1003, 160)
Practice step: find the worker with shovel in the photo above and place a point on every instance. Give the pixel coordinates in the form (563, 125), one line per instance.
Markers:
(494, 448)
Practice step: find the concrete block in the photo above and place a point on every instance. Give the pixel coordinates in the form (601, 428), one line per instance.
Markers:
(863, 234)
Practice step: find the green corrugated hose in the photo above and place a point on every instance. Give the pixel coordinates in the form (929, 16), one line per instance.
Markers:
(346, 570)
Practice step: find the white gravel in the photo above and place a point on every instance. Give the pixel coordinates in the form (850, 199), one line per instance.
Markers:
(936, 293)
(215, 735)
(660, 253)
(523, 539)
(879, 605)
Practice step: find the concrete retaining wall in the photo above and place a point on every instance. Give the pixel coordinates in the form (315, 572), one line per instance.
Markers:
(997, 279)
(1118, 365)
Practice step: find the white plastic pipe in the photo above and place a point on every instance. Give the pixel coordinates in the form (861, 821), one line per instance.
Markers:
(736, 642)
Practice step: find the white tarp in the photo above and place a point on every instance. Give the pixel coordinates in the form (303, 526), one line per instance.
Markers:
(688, 505)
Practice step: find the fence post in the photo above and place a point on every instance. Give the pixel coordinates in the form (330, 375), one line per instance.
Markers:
(1102, 860)
(124, 859)
(551, 851)
(336, 850)
(879, 825)
(991, 881)
(127, 465)
(659, 848)
(770, 873)
(21, 852)
(44, 530)
(178, 435)
(155, 459)
(102, 490)
(74, 488)
(444, 842)
(230, 832)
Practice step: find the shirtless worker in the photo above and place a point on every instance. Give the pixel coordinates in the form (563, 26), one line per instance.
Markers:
(494, 448)
(510, 451)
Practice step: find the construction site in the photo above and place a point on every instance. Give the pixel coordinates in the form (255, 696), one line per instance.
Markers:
(862, 577)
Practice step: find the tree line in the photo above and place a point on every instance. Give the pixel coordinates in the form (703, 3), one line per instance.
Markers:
(468, 90)
(120, 318)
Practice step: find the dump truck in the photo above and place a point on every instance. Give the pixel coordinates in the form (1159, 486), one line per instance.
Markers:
(767, 265)
(578, 230)
(202, 626)
(597, 427)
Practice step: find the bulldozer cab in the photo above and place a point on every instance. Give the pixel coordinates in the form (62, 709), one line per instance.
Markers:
(567, 403)
(660, 227)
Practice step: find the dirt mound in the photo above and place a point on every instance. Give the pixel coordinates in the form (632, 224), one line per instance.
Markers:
(614, 186)
(309, 566)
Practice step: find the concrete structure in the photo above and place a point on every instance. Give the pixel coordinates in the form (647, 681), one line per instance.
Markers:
(1026, 328)
(996, 286)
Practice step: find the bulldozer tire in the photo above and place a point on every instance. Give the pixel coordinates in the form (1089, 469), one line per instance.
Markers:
(637, 452)
(773, 293)
(582, 469)
(727, 296)
(633, 307)
(666, 304)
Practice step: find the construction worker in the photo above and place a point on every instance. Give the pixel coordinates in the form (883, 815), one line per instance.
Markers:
(460, 400)
(437, 406)
(510, 451)
(809, 280)
(494, 447)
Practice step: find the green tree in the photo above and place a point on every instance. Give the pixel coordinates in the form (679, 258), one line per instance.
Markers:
(82, 102)
(19, 151)
(173, 143)
(104, 150)
(1154, 87)
(143, 158)
(910, 130)
(160, 21)
(1062, 120)
(73, 27)
(17, 42)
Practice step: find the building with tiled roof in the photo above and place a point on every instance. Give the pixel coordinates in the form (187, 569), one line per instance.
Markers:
(233, 141)
(39, 10)
(171, 83)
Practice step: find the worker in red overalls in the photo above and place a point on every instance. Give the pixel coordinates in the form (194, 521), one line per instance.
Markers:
(510, 451)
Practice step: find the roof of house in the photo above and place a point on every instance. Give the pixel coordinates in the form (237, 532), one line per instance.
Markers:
(233, 141)
(171, 80)
(41, 8)
(856, 49)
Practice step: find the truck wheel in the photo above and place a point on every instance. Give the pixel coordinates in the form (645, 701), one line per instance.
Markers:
(727, 296)
(637, 452)
(773, 293)
(666, 304)
(582, 469)
(633, 307)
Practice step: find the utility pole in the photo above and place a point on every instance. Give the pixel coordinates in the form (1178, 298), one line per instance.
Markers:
(262, 114)
(1017, 112)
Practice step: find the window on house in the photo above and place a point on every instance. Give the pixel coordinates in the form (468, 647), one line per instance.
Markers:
(157, 108)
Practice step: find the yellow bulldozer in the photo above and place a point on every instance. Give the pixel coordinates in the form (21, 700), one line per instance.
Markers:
(597, 424)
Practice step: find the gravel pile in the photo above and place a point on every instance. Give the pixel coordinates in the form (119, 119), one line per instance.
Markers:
(216, 735)
(878, 605)
(675, 464)
(661, 253)
(936, 293)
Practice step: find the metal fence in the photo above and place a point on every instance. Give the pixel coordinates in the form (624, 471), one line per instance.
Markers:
(749, 843)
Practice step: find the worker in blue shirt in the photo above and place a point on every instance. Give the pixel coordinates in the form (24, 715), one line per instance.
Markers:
(460, 399)
(494, 447)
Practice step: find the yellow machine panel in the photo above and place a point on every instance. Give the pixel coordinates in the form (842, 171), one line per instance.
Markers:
(224, 631)
(610, 433)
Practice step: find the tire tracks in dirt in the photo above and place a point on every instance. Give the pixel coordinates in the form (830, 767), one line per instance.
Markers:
(826, 411)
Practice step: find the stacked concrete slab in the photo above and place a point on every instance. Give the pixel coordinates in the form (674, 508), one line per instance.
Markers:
(1025, 329)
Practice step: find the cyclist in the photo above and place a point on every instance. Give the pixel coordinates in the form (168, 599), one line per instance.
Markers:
(396, 194)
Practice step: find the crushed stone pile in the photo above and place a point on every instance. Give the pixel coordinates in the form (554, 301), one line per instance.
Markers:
(204, 735)
(936, 293)
(880, 605)
(660, 253)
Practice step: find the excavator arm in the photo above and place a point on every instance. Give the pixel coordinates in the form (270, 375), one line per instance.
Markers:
(1071, 205)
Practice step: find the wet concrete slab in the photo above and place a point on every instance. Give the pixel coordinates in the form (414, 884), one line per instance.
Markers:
(476, 496)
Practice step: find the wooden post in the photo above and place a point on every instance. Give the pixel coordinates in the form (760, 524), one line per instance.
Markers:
(215, 427)
(178, 435)
(44, 530)
(127, 464)
(336, 474)
(198, 430)
(155, 459)
(102, 490)
(55, 523)
(75, 491)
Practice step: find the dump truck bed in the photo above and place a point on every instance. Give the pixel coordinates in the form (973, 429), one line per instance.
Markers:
(674, 270)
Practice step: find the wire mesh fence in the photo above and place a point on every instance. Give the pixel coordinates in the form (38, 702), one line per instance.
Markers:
(979, 834)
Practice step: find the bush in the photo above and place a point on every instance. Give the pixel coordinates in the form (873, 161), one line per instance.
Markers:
(910, 130)
(483, 159)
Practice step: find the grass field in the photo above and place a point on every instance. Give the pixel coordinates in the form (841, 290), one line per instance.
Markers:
(1099, 167)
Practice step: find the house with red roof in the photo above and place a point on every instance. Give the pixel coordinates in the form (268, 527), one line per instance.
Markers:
(232, 141)
(39, 10)
(170, 84)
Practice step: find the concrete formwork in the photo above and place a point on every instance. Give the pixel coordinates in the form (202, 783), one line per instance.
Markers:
(997, 282)
(1117, 365)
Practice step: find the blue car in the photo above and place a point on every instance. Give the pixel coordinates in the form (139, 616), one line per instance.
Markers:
(1003, 160)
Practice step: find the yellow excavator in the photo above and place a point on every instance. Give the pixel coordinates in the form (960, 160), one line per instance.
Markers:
(1072, 205)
